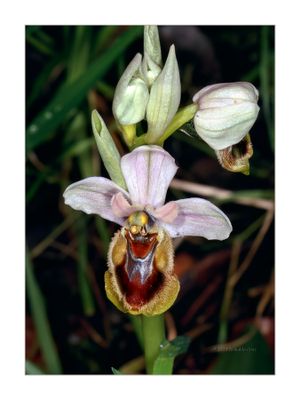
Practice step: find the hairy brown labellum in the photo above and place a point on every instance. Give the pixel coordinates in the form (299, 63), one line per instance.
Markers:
(235, 158)
(140, 277)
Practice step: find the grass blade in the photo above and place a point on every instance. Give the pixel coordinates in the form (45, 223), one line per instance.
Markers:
(41, 322)
(103, 232)
(42, 80)
(266, 73)
(38, 39)
(249, 357)
(32, 369)
(82, 269)
(55, 112)
(116, 371)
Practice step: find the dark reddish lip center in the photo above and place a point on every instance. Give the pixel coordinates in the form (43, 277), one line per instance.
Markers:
(138, 277)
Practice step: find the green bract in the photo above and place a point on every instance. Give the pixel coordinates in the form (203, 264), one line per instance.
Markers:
(107, 149)
(164, 98)
(152, 61)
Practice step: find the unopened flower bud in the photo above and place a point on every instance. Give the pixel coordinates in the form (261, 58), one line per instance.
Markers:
(152, 61)
(226, 113)
(131, 95)
(164, 98)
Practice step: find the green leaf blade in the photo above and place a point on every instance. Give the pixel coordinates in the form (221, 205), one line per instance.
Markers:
(164, 363)
(253, 357)
(116, 371)
(32, 369)
(70, 96)
(41, 322)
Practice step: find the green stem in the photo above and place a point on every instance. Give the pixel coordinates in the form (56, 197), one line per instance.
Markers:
(138, 141)
(137, 323)
(129, 134)
(183, 116)
(154, 334)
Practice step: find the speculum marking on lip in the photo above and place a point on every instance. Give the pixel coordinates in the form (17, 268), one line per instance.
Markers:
(138, 276)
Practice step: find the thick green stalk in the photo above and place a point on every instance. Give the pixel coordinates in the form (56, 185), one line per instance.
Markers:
(183, 116)
(137, 324)
(154, 335)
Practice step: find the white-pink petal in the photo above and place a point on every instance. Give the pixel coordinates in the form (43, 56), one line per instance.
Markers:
(148, 171)
(199, 217)
(94, 196)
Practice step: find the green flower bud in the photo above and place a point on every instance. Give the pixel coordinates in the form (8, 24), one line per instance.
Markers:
(226, 113)
(131, 95)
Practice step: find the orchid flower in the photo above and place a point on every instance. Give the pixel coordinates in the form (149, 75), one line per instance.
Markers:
(140, 277)
(226, 113)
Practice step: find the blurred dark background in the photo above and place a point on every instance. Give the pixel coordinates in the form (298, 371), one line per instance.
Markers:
(226, 304)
